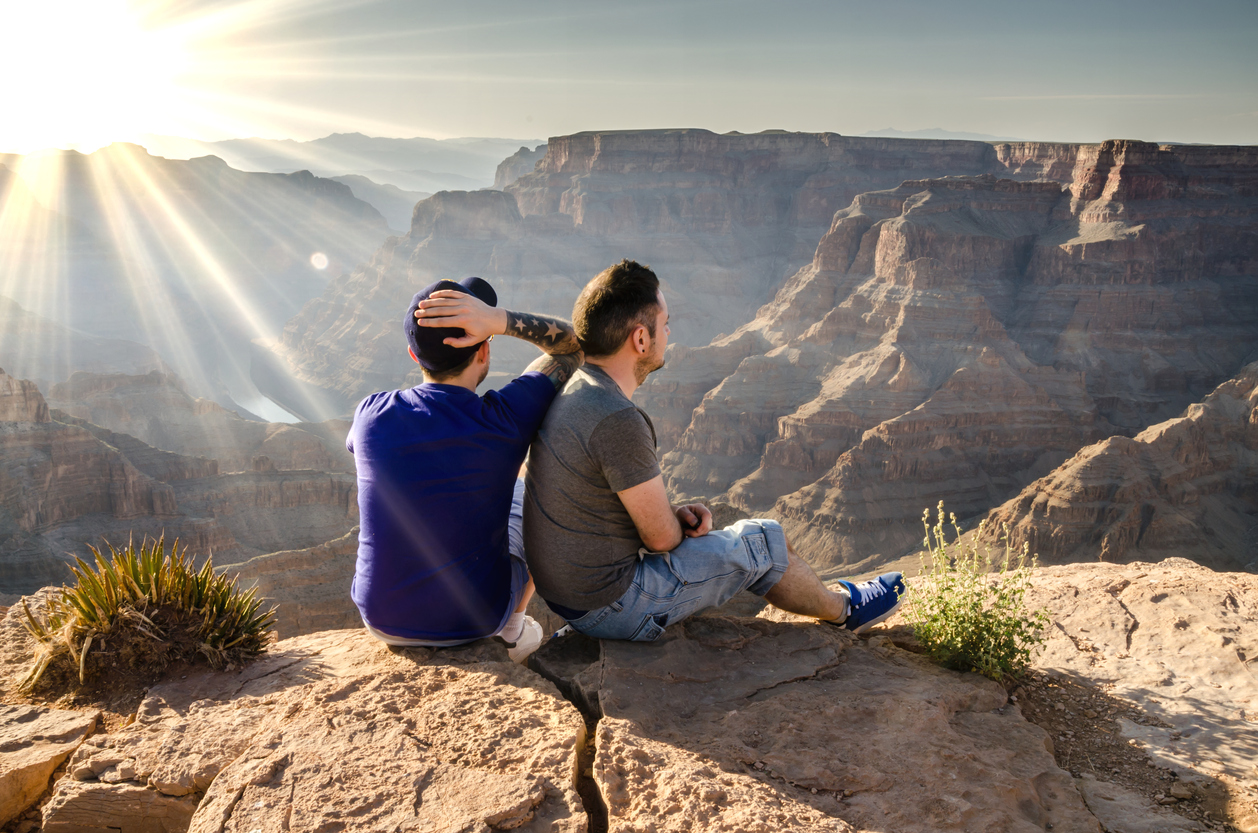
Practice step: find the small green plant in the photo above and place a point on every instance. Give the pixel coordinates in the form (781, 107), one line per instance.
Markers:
(144, 607)
(969, 611)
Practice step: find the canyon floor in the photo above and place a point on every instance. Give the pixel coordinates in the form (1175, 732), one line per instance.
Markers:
(1139, 715)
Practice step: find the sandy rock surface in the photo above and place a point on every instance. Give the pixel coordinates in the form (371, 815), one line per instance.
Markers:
(750, 724)
(337, 731)
(33, 742)
(1181, 641)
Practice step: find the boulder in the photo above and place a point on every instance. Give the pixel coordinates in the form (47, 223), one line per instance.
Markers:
(751, 724)
(33, 743)
(336, 729)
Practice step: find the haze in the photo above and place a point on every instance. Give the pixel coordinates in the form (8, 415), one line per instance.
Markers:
(84, 73)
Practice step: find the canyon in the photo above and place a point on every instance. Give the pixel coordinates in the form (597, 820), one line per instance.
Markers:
(955, 339)
(66, 483)
(971, 317)
(193, 259)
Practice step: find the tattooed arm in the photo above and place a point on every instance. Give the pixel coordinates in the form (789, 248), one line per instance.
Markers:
(557, 340)
(479, 321)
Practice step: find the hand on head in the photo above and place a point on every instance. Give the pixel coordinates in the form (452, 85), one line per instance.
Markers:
(449, 308)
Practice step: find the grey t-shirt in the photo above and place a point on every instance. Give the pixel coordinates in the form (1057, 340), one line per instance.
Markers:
(581, 544)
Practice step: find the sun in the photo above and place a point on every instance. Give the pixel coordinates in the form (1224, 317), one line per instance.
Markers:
(83, 73)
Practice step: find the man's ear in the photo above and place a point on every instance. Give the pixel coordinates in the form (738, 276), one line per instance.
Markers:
(482, 352)
(411, 350)
(640, 339)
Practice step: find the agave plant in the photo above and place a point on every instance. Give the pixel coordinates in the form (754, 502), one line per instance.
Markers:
(124, 594)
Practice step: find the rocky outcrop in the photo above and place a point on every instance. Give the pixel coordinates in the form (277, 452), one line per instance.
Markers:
(738, 724)
(157, 409)
(729, 722)
(310, 586)
(1183, 487)
(34, 742)
(1178, 640)
(20, 400)
(471, 741)
(957, 338)
(725, 217)
(522, 162)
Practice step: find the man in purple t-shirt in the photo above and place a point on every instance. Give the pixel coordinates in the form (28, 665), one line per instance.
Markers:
(440, 548)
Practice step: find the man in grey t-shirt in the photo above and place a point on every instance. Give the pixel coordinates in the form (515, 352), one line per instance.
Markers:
(606, 548)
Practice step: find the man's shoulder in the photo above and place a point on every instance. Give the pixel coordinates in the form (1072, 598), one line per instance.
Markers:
(589, 398)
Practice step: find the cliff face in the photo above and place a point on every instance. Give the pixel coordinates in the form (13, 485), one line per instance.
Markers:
(522, 162)
(157, 409)
(955, 339)
(723, 219)
(66, 483)
(1183, 487)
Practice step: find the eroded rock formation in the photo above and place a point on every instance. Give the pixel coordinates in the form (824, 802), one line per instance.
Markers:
(723, 218)
(309, 586)
(67, 484)
(1184, 487)
(522, 162)
(957, 338)
(157, 409)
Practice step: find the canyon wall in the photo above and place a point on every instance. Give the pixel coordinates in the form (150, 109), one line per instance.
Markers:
(956, 338)
(1186, 487)
(66, 483)
(157, 409)
(522, 162)
(724, 220)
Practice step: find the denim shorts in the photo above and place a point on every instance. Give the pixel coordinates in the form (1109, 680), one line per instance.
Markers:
(700, 573)
(519, 579)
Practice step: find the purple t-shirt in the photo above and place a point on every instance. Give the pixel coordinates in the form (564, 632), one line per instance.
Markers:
(437, 465)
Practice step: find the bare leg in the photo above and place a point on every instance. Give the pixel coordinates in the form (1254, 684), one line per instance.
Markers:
(800, 591)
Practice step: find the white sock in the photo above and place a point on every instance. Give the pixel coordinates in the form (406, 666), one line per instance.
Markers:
(514, 628)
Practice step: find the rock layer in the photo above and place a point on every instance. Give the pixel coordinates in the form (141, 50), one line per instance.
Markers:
(957, 338)
(725, 217)
(748, 724)
(67, 484)
(1180, 640)
(1184, 487)
(33, 742)
(310, 586)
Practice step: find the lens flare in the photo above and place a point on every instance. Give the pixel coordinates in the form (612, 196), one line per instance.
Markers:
(319, 261)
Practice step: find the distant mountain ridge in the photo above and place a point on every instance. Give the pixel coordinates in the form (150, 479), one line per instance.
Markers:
(473, 160)
(939, 133)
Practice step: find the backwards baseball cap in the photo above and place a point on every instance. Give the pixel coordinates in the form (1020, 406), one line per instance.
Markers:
(428, 343)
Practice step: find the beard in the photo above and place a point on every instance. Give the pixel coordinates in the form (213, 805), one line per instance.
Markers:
(647, 365)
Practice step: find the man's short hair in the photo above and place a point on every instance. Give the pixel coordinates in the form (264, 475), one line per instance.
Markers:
(453, 372)
(615, 301)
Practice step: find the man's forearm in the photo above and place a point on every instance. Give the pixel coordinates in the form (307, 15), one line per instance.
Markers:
(553, 336)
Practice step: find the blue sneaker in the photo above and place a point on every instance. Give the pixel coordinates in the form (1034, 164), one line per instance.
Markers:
(873, 601)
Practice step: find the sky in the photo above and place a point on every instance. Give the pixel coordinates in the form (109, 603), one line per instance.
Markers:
(84, 73)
